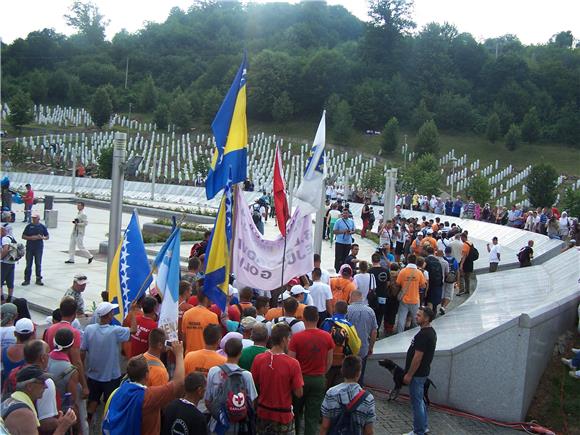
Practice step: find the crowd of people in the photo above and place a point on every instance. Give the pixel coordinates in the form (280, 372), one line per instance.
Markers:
(288, 361)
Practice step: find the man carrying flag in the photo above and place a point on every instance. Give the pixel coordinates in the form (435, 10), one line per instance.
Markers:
(231, 136)
(217, 254)
(280, 200)
(311, 189)
(130, 273)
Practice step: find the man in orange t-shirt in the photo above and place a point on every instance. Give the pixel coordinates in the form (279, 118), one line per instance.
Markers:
(194, 322)
(410, 280)
(204, 359)
(157, 372)
(342, 286)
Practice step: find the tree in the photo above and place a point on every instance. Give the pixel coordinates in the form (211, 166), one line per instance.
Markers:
(105, 163)
(374, 179)
(201, 165)
(211, 104)
(531, 126)
(513, 137)
(390, 137)
(563, 39)
(427, 139)
(393, 16)
(421, 115)
(18, 153)
(21, 107)
(89, 22)
(479, 189)
(180, 112)
(341, 127)
(37, 86)
(493, 130)
(161, 116)
(571, 202)
(282, 109)
(541, 184)
(422, 176)
(147, 99)
(101, 107)
(454, 112)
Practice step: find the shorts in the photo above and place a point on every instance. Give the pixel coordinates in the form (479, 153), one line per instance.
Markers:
(448, 291)
(434, 295)
(269, 427)
(399, 248)
(8, 274)
(98, 389)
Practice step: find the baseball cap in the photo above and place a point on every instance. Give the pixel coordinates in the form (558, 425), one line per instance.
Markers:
(105, 308)
(8, 311)
(80, 278)
(284, 296)
(429, 231)
(298, 289)
(248, 323)
(294, 281)
(24, 326)
(31, 373)
(420, 234)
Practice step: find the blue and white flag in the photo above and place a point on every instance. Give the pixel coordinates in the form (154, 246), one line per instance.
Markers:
(311, 189)
(167, 265)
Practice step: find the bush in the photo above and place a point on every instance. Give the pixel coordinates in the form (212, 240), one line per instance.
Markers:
(390, 138)
(541, 184)
(513, 137)
(428, 139)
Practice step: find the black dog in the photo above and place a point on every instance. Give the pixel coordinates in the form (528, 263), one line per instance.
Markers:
(398, 375)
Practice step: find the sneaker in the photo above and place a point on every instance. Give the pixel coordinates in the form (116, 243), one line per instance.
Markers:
(25, 283)
(69, 262)
(574, 350)
(91, 260)
(39, 282)
(575, 374)
(461, 293)
(566, 362)
(442, 311)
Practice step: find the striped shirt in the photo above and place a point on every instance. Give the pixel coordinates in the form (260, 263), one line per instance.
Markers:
(339, 396)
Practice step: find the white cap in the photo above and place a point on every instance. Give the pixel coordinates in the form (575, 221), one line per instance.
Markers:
(298, 289)
(24, 326)
(105, 308)
(284, 296)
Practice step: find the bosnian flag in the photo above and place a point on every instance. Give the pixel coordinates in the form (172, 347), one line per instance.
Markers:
(280, 200)
(311, 189)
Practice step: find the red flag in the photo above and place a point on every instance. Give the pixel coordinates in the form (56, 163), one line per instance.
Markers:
(280, 201)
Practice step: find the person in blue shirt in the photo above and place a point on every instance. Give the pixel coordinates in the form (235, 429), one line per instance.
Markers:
(35, 234)
(343, 230)
(457, 205)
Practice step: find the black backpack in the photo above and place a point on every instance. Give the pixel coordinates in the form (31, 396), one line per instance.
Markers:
(435, 270)
(473, 253)
(256, 215)
(345, 424)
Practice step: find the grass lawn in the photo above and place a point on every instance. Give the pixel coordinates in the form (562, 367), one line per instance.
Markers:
(556, 404)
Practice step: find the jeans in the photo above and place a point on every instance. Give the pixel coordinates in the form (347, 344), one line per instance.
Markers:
(260, 226)
(466, 281)
(341, 251)
(362, 371)
(416, 389)
(36, 255)
(402, 315)
(308, 406)
(28, 213)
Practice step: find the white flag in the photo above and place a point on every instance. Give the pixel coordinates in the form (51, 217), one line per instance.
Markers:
(309, 193)
(257, 262)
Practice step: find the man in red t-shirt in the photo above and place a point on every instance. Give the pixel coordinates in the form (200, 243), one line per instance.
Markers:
(277, 377)
(145, 324)
(313, 348)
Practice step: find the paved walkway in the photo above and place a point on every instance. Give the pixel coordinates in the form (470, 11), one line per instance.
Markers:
(392, 417)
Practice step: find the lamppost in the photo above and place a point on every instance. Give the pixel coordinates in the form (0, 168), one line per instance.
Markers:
(453, 159)
(405, 149)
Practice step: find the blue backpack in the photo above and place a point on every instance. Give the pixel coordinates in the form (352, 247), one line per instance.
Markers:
(345, 424)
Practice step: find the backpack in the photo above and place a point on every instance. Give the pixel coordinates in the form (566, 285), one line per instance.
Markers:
(256, 215)
(290, 324)
(340, 338)
(435, 270)
(232, 397)
(345, 424)
(353, 342)
(451, 276)
(16, 251)
(473, 253)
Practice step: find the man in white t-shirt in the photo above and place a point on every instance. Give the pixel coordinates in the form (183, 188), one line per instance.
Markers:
(321, 295)
(324, 275)
(494, 255)
(456, 247)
